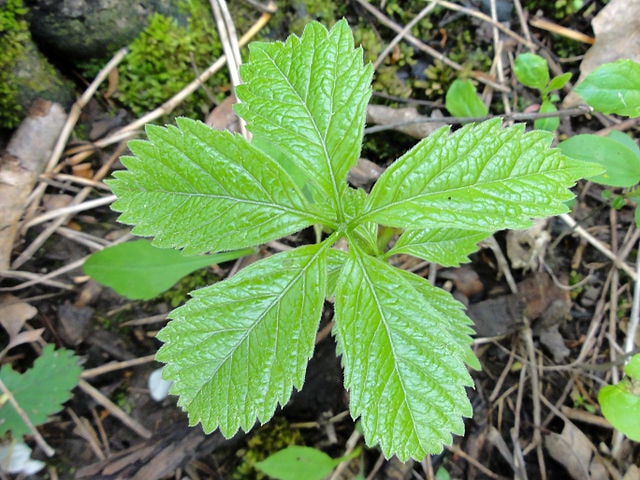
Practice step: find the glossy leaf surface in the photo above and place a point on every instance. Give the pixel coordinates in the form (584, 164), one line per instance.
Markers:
(302, 96)
(236, 350)
(445, 246)
(532, 70)
(297, 462)
(482, 177)
(228, 194)
(403, 365)
(621, 161)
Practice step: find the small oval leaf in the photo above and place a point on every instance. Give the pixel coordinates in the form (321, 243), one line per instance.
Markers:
(622, 163)
(462, 101)
(613, 88)
(138, 270)
(532, 70)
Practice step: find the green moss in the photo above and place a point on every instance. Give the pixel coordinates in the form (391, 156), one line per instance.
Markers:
(14, 33)
(166, 57)
(179, 293)
(25, 74)
(291, 17)
(266, 441)
(555, 9)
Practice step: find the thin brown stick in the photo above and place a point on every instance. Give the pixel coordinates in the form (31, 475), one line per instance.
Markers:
(398, 38)
(523, 21)
(598, 245)
(72, 119)
(350, 445)
(424, 47)
(517, 116)
(518, 459)
(229, 40)
(8, 394)
(485, 18)
(549, 26)
(113, 409)
(28, 252)
(497, 48)
(535, 397)
(86, 432)
(113, 366)
(69, 209)
(174, 101)
(461, 453)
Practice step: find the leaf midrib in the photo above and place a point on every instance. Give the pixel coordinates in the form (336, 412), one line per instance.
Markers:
(370, 212)
(273, 304)
(323, 143)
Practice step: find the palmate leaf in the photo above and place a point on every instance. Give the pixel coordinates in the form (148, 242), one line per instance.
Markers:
(238, 347)
(204, 190)
(403, 360)
(482, 177)
(306, 99)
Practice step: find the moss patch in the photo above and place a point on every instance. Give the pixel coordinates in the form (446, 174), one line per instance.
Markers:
(166, 57)
(24, 72)
(14, 33)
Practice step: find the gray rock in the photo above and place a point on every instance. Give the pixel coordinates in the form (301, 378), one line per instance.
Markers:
(37, 78)
(82, 29)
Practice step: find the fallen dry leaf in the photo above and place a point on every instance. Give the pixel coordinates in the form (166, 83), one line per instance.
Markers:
(572, 449)
(13, 315)
(617, 32)
(526, 248)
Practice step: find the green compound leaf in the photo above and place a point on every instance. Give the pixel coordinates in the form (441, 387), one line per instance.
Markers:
(307, 98)
(138, 270)
(613, 88)
(238, 347)
(462, 101)
(403, 359)
(40, 391)
(482, 177)
(204, 190)
(448, 247)
(532, 70)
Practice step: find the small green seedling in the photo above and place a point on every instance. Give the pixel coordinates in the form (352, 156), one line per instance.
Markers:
(296, 462)
(533, 71)
(238, 348)
(462, 101)
(620, 403)
(140, 271)
(611, 88)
